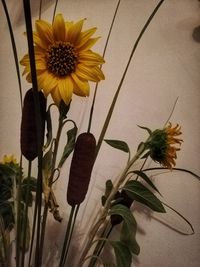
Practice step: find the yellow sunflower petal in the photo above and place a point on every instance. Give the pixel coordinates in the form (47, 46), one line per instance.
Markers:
(88, 73)
(59, 28)
(81, 87)
(38, 41)
(85, 36)
(90, 58)
(74, 32)
(65, 87)
(55, 94)
(44, 30)
(46, 81)
(87, 45)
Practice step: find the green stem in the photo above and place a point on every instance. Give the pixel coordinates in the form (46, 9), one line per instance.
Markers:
(45, 212)
(100, 245)
(109, 115)
(54, 11)
(13, 48)
(25, 214)
(70, 235)
(104, 52)
(68, 229)
(18, 234)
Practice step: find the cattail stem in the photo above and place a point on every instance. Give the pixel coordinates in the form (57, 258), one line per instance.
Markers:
(68, 234)
(25, 214)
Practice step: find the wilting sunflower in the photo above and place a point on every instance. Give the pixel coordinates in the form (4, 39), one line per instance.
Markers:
(162, 145)
(64, 59)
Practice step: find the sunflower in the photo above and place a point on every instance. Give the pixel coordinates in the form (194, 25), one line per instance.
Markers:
(9, 159)
(64, 59)
(163, 145)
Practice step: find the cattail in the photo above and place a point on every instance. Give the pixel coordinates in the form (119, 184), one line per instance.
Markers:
(124, 200)
(81, 168)
(29, 137)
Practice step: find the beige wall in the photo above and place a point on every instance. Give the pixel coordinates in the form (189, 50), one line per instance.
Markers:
(166, 66)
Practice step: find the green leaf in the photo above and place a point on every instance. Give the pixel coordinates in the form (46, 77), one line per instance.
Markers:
(69, 147)
(121, 145)
(145, 128)
(32, 181)
(147, 180)
(49, 128)
(47, 164)
(6, 212)
(142, 194)
(122, 254)
(126, 214)
(128, 238)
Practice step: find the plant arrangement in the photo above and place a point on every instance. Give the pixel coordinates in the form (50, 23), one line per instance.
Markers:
(60, 63)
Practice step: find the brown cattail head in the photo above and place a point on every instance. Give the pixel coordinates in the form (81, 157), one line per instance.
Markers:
(81, 168)
(29, 139)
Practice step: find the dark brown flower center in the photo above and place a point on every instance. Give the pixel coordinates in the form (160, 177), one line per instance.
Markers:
(61, 58)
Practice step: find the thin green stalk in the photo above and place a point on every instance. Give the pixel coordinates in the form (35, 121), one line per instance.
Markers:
(32, 235)
(19, 197)
(25, 214)
(13, 48)
(100, 245)
(104, 52)
(110, 112)
(54, 11)
(68, 229)
(45, 212)
(40, 9)
(70, 235)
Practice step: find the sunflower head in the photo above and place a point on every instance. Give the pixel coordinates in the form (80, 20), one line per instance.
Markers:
(163, 145)
(9, 159)
(64, 59)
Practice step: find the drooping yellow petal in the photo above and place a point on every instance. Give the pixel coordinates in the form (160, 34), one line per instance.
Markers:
(65, 87)
(44, 30)
(59, 28)
(81, 87)
(87, 73)
(55, 94)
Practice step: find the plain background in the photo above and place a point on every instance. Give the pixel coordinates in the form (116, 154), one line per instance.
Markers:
(166, 66)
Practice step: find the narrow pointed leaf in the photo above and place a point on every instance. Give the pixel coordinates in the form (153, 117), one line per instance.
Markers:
(121, 145)
(128, 238)
(69, 147)
(142, 194)
(145, 128)
(122, 254)
(49, 128)
(147, 180)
